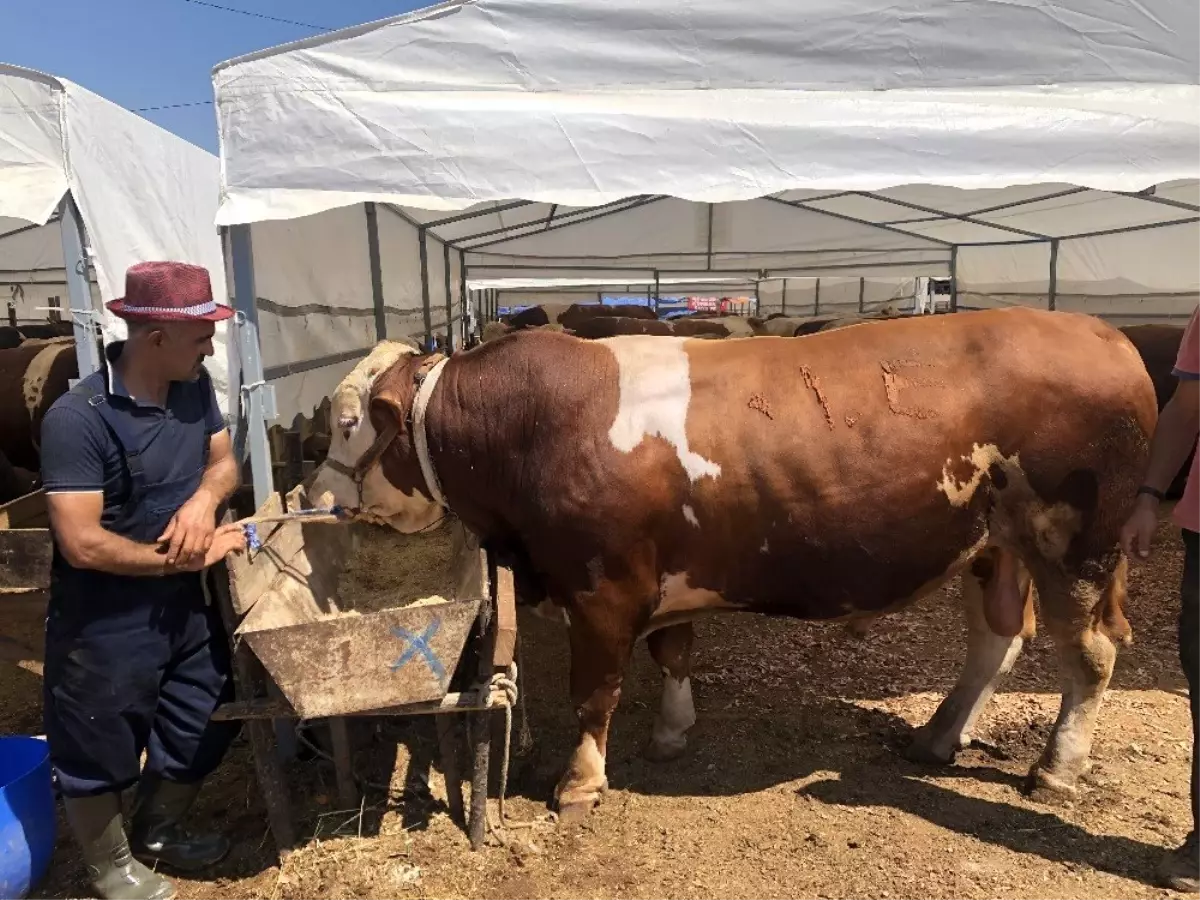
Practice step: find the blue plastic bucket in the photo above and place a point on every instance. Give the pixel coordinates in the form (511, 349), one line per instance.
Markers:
(27, 821)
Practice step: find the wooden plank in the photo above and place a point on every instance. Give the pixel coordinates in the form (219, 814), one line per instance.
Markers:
(26, 511)
(354, 663)
(248, 677)
(279, 708)
(25, 555)
(505, 647)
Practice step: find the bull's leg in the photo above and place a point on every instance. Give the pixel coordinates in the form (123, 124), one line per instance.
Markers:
(990, 656)
(671, 648)
(600, 649)
(1084, 620)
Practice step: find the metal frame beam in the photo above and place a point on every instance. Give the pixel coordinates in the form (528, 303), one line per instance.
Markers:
(566, 221)
(953, 279)
(795, 204)
(960, 217)
(475, 214)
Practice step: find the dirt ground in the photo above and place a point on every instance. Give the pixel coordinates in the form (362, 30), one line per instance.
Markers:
(792, 785)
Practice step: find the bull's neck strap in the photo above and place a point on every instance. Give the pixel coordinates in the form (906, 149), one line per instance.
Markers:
(420, 437)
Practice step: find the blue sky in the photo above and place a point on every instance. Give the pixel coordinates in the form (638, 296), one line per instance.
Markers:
(146, 53)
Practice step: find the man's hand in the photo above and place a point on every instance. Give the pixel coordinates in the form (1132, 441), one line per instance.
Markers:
(225, 540)
(190, 532)
(1139, 530)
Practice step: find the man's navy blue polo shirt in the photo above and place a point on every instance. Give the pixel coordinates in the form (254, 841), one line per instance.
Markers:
(80, 455)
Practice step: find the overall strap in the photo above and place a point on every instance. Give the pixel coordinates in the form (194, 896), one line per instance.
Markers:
(126, 442)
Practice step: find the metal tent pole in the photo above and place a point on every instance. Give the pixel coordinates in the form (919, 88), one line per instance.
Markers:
(376, 271)
(450, 342)
(862, 291)
(79, 289)
(1053, 292)
(428, 313)
(817, 298)
(954, 279)
(257, 400)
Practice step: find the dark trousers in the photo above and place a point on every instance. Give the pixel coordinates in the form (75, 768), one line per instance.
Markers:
(1189, 650)
(123, 675)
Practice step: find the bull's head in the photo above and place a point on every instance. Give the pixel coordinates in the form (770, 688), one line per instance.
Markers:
(373, 400)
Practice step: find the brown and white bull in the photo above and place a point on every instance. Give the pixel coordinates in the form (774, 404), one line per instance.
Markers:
(639, 482)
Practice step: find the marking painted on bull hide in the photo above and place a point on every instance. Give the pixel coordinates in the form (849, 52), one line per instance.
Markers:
(419, 643)
(655, 392)
(981, 458)
(893, 381)
(690, 515)
(759, 403)
(814, 385)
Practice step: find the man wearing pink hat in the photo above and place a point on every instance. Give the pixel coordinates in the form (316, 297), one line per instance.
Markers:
(136, 460)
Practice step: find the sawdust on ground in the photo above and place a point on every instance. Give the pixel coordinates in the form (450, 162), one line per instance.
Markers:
(388, 569)
(792, 784)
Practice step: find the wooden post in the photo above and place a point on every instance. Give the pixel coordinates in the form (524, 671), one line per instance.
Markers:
(339, 735)
(248, 676)
(448, 734)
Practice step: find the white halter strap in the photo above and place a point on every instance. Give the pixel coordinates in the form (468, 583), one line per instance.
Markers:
(420, 438)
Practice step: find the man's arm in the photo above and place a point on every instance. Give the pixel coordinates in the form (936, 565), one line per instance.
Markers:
(189, 534)
(1173, 438)
(1178, 426)
(86, 544)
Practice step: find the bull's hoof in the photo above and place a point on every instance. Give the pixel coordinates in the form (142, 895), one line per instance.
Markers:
(930, 748)
(1044, 787)
(575, 802)
(661, 751)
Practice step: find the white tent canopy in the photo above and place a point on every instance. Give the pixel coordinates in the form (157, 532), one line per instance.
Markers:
(1033, 151)
(141, 193)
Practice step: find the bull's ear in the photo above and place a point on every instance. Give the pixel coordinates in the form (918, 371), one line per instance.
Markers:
(391, 395)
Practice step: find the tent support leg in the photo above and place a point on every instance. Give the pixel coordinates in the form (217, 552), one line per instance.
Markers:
(422, 240)
(954, 279)
(376, 272)
(862, 294)
(1052, 299)
(79, 289)
(817, 298)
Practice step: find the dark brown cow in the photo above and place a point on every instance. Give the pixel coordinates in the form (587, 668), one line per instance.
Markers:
(700, 328)
(46, 330)
(571, 317)
(9, 337)
(1159, 347)
(614, 326)
(849, 473)
(14, 481)
(32, 377)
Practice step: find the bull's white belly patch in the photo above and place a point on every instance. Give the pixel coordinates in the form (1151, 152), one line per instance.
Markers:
(655, 392)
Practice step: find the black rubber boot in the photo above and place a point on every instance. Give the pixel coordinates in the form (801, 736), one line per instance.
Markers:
(112, 870)
(157, 834)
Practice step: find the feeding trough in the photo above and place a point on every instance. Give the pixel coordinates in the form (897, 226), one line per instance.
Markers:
(335, 620)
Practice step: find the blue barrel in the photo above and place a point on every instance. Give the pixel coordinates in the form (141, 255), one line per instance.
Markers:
(27, 823)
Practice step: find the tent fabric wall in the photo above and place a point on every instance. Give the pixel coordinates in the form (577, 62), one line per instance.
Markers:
(142, 192)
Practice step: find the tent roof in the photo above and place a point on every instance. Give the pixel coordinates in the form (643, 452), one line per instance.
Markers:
(587, 102)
